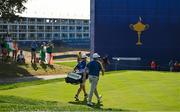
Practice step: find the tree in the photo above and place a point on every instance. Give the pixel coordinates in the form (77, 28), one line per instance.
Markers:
(10, 8)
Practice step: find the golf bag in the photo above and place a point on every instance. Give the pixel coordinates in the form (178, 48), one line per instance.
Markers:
(74, 78)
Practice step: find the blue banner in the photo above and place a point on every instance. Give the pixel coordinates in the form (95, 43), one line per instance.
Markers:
(145, 29)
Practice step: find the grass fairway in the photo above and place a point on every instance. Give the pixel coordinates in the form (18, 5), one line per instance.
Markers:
(122, 90)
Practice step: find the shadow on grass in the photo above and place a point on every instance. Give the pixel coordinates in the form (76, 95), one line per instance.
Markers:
(13, 72)
(34, 66)
(44, 66)
(51, 67)
(96, 106)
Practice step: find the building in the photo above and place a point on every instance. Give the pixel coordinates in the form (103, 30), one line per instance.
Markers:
(113, 32)
(74, 32)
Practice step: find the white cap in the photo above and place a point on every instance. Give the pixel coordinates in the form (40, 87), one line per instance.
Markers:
(96, 55)
(83, 56)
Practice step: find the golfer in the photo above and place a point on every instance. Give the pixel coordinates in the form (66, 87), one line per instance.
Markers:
(94, 68)
(80, 69)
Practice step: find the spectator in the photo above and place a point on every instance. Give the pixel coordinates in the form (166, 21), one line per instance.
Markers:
(4, 49)
(171, 65)
(8, 37)
(20, 57)
(153, 65)
(94, 68)
(9, 44)
(33, 51)
(79, 57)
(49, 49)
(43, 52)
(80, 69)
(0, 46)
(15, 50)
(105, 62)
(176, 66)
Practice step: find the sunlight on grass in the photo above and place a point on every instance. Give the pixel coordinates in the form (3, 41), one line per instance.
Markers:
(122, 90)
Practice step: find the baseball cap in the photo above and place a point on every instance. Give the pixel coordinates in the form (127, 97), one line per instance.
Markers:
(96, 55)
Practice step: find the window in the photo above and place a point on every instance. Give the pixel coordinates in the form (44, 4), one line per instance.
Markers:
(23, 20)
(40, 21)
(86, 29)
(79, 35)
(79, 28)
(72, 28)
(56, 28)
(64, 35)
(40, 36)
(40, 28)
(86, 35)
(64, 29)
(48, 36)
(31, 36)
(31, 28)
(64, 22)
(22, 28)
(32, 20)
(72, 22)
(14, 36)
(13, 28)
(3, 28)
(78, 22)
(56, 36)
(48, 28)
(22, 36)
(85, 22)
(72, 36)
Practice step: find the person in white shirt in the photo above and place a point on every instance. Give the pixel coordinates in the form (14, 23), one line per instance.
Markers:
(20, 57)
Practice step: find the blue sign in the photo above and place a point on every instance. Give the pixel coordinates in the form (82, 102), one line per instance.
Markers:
(145, 29)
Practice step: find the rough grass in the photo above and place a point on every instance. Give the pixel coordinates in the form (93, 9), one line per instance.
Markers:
(69, 64)
(122, 90)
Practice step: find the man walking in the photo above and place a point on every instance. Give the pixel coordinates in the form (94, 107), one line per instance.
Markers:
(33, 51)
(94, 68)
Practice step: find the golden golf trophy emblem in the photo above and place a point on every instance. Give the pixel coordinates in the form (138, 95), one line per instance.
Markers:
(139, 27)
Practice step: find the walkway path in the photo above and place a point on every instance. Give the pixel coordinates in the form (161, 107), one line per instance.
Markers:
(31, 78)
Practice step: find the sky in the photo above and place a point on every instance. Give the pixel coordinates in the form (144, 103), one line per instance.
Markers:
(76, 9)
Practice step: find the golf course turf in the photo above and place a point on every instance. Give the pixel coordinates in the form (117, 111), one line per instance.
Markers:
(121, 90)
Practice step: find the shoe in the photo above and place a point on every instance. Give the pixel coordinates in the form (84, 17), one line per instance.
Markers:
(100, 99)
(76, 98)
(85, 97)
(89, 103)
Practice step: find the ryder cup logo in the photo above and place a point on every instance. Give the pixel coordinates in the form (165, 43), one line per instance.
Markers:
(139, 27)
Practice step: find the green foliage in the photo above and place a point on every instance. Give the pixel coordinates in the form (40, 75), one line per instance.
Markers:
(9, 8)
